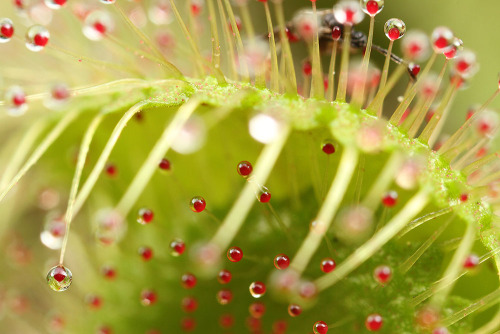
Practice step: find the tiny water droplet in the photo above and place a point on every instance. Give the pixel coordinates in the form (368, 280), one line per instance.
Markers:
(148, 297)
(294, 310)
(471, 261)
(327, 147)
(15, 98)
(55, 4)
(189, 304)
(177, 247)
(224, 276)
(257, 310)
(197, 204)
(382, 274)
(263, 194)
(234, 254)
(257, 289)
(37, 37)
(244, 168)
(108, 2)
(374, 322)
(372, 7)
(145, 216)
(390, 199)
(59, 278)
(188, 281)
(328, 265)
(97, 24)
(281, 261)
(320, 327)
(456, 46)
(53, 233)
(6, 30)
(224, 296)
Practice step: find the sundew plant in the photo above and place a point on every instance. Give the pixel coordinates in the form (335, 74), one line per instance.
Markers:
(224, 166)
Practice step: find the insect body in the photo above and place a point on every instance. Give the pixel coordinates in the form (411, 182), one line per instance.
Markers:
(301, 27)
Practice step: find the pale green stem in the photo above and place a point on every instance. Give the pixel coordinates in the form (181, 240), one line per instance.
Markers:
(246, 18)
(317, 85)
(382, 182)
(344, 65)
(422, 112)
(491, 326)
(405, 266)
(457, 136)
(453, 270)
(82, 157)
(364, 252)
(419, 221)
(359, 92)
(469, 154)
(229, 41)
(385, 73)
(198, 58)
(41, 149)
(274, 55)
(431, 128)
(331, 72)
(103, 158)
(22, 150)
(471, 168)
(347, 165)
(100, 63)
(482, 304)
(140, 53)
(377, 102)
(396, 116)
(145, 39)
(291, 80)
(241, 207)
(150, 165)
(239, 42)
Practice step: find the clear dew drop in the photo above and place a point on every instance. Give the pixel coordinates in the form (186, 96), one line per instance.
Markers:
(55, 4)
(372, 7)
(37, 37)
(160, 13)
(348, 12)
(108, 2)
(442, 38)
(59, 97)
(394, 29)
(415, 46)
(6, 30)
(53, 233)
(16, 101)
(59, 278)
(97, 24)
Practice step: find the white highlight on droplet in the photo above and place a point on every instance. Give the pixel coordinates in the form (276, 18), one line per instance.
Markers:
(264, 128)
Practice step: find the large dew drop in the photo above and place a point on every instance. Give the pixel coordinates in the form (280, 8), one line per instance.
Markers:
(59, 278)
(37, 38)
